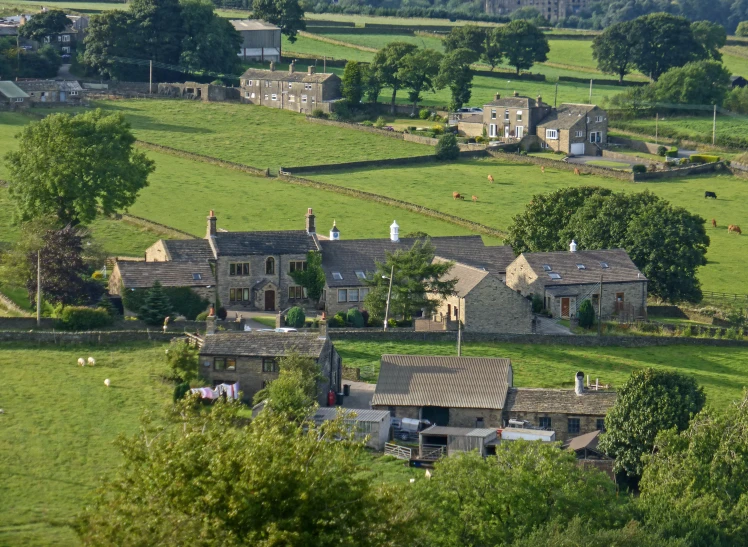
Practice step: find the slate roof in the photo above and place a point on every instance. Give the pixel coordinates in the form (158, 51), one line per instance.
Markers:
(285, 76)
(252, 24)
(349, 256)
(45, 85)
(138, 275)
(453, 382)
(566, 116)
(188, 250)
(263, 344)
(620, 267)
(11, 90)
(472, 118)
(560, 401)
(513, 102)
(264, 243)
(467, 276)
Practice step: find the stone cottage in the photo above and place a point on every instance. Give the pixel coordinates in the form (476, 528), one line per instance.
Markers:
(53, 91)
(514, 117)
(565, 279)
(576, 129)
(12, 97)
(296, 91)
(251, 358)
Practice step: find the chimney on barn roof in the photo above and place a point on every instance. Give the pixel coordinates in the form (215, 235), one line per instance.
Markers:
(212, 221)
(573, 246)
(394, 232)
(334, 232)
(310, 70)
(291, 67)
(497, 97)
(310, 222)
(579, 383)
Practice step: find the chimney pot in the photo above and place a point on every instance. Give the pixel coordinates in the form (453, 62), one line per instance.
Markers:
(212, 221)
(310, 70)
(291, 67)
(579, 383)
(497, 96)
(310, 229)
(540, 100)
(516, 94)
(272, 66)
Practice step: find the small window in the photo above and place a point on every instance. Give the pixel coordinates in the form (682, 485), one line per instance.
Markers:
(598, 118)
(600, 424)
(551, 134)
(547, 267)
(581, 267)
(246, 94)
(303, 98)
(219, 363)
(245, 295)
(449, 311)
(296, 293)
(363, 293)
(519, 115)
(493, 114)
(337, 276)
(544, 422)
(574, 426)
(297, 265)
(270, 266)
(360, 274)
(59, 38)
(479, 423)
(456, 311)
(19, 99)
(269, 364)
(290, 85)
(267, 83)
(292, 98)
(249, 83)
(554, 275)
(342, 295)
(230, 363)
(352, 295)
(274, 97)
(604, 265)
(197, 277)
(506, 115)
(66, 38)
(266, 96)
(579, 133)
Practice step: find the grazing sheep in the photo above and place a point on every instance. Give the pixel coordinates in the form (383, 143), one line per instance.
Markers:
(91, 361)
(81, 362)
(107, 383)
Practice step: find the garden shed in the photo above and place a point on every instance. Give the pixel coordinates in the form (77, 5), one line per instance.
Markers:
(456, 439)
(374, 423)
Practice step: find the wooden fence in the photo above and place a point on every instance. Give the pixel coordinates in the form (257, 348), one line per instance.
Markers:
(400, 452)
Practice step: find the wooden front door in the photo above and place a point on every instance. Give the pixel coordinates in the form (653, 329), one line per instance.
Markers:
(565, 308)
(619, 301)
(269, 300)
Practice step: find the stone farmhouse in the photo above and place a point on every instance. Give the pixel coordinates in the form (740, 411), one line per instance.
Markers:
(12, 97)
(251, 358)
(565, 279)
(52, 91)
(296, 91)
(478, 392)
(132, 275)
(261, 41)
(577, 129)
(64, 42)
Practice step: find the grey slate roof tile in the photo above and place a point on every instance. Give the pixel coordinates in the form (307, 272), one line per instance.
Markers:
(137, 275)
(264, 243)
(263, 344)
(566, 116)
(285, 76)
(564, 401)
(189, 250)
(620, 266)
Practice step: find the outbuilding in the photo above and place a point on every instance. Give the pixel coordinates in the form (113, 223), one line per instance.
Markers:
(12, 96)
(456, 439)
(261, 41)
(363, 422)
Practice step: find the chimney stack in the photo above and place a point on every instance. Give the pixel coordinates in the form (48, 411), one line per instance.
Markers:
(291, 67)
(394, 232)
(540, 100)
(579, 383)
(497, 97)
(323, 329)
(211, 224)
(210, 321)
(310, 70)
(573, 246)
(310, 222)
(516, 94)
(334, 232)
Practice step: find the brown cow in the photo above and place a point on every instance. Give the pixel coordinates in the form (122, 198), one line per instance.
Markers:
(457, 195)
(475, 199)
(542, 169)
(734, 228)
(714, 223)
(490, 178)
(576, 170)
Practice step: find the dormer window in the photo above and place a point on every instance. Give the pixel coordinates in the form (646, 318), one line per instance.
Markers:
(337, 276)
(604, 265)
(554, 275)
(581, 267)
(547, 267)
(360, 274)
(197, 277)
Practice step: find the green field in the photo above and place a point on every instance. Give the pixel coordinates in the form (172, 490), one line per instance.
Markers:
(697, 128)
(723, 372)
(378, 41)
(319, 49)
(432, 186)
(735, 59)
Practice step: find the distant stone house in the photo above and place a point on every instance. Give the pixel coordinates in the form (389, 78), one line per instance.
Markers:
(565, 279)
(261, 41)
(196, 90)
(53, 91)
(577, 129)
(13, 97)
(297, 91)
(447, 391)
(483, 303)
(513, 117)
(471, 125)
(251, 358)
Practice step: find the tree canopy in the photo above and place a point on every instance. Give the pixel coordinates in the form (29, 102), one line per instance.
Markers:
(663, 41)
(287, 14)
(456, 74)
(470, 37)
(523, 44)
(44, 24)
(72, 167)
(386, 66)
(613, 49)
(711, 37)
(700, 82)
(352, 84)
(418, 71)
(649, 402)
(313, 277)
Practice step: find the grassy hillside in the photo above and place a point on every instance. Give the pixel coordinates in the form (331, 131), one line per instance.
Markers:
(318, 48)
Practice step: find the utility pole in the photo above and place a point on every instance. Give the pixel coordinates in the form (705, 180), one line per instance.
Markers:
(590, 90)
(150, 78)
(714, 126)
(600, 308)
(38, 288)
(555, 97)
(324, 64)
(459, 329)
(657, 123)
(389, 295)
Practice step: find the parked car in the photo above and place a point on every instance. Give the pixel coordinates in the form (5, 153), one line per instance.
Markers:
(407, 429)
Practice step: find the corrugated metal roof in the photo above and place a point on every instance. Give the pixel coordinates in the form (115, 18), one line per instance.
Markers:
(362, 414)
(252, 24)
(453, 382)
(11, 90)
(559, 401)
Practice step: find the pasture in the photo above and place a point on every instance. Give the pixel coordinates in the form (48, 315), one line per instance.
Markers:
(722, 371)
(730, 129)
(432, 186)
(306, 45)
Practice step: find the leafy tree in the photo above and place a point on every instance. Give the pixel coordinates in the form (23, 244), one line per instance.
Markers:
(352, 85)
(44, 63)
(295, 317)
(700, 82)
(498, 499)
(156, 30)
(44, 24)
(416, 278)
(313, 278)
(523, 44)
(711, 37)
(294, 393)
(156, 306)
(372, 87)
(447, 148)
(649, 402)
(613, 49)
(742, 29)
(663, 41)
(183, 360)
(73, 166)
(529, 13)
(737, 100)
(287, 14)
(65, 274)
(217, 477)
(586, 315)
(386, 66)
(455, 73)
(492, 52)
(694, 485)
(355, 317)
(469, 37)
(209, 41)
(417, 72)
(108, 37)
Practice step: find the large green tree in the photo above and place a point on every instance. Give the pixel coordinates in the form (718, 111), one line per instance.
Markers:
(711, 37)
(44, 24)
(352, 85)
(313, 277)
(156, 306)
(492, 52)
(156, 30)
(695, 484)
(613, 49)
(418, 71)
(469, 37)
(456, 74)
(209, 41)
(287, 14)
(386, 66)
(650, 401)
(663, 41)
(294, 393)
(74, 167)
(523, 44)
(699, 82)
(107, 39)
(417, 277)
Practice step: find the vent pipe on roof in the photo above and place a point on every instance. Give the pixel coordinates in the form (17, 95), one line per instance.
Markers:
(395, 232)
(579, 383)
(573, 246)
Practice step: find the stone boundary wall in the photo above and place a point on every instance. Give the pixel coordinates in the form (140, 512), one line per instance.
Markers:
(557, 164)
(679, 172)
(356, 126)
(202, 158)
(420, 139)
(469, 224)
(289, 56)
(628, 157)
(91, 337)
(310, 169)
(538, 339)
(639, 146)
(599, 81)
(335, 42)
(157, 226)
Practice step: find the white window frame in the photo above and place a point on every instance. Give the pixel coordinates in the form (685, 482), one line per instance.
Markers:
(596, 136)
(344, 294)
(598, 118)
(47, 39)
(249, 83)
(519, 131)
(73, 93)
(551, 134)
(579, 133)
(273, 97)
(291, 98)
(303, 98)
(290, 84)
(493, 113)
(252, 96)
(506, 115)
(266, 96)
(492, 130)
(65, 37)
(19, 99)
(246, 94)
(519, 115)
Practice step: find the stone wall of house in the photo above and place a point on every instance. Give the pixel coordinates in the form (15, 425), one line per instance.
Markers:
(493, 307)
(296, 96)
(559, 422)
(413, 412)
(332, 306)
(470, 129)
(468, 417)
(156, 252)
(568, 136)
(520, 277)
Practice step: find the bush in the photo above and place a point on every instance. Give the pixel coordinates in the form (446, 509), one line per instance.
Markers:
(446, 148)
(202, 316)
(672, 153)
(222, 313)
(639, 168)
(586, 315)
(380, 123)
(661, 150)
(318, 113)
(391, 323)
(82, 318)
(355, 318)
(365, 315)
(438, 129)
(181, 390)
(106, 304)
(424, 114)
(534, 148)
(703, 158)
(97, 275)
(537, 303)
(333, 322)
(295, 317)
(742, 29)
(367, 123)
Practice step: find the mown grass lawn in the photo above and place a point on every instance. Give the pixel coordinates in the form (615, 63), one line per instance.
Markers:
(432, 186)
(58, 426)
(318, 48)
(723, 372)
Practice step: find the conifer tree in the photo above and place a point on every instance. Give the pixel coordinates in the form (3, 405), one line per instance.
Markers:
(156, 307)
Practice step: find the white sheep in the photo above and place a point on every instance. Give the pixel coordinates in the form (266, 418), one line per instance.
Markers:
(91, 361)
(107, 382)
(81, 362)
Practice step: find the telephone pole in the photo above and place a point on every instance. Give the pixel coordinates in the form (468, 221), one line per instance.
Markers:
(459, 329)
(150, 78)
(600, 308)
(590, 90)
(38, 288)
(714, 126)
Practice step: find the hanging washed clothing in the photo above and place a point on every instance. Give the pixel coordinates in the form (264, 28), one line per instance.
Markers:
(230, 390)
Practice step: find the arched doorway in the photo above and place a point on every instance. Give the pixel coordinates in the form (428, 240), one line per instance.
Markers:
(269, 300)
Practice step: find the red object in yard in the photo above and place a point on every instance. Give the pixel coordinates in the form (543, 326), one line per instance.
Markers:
(331, 398)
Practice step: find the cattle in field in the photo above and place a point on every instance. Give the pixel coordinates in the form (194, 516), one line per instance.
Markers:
(708, 194)
(576, 171)
(734, 228)
(542, 169)
(490, 178)
(714, 223)
(457, 195)
(475, 199)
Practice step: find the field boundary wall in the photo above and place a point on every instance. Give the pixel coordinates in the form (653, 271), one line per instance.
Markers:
(558, 164)
(679, 172)
(333, 41)
(628, 157)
